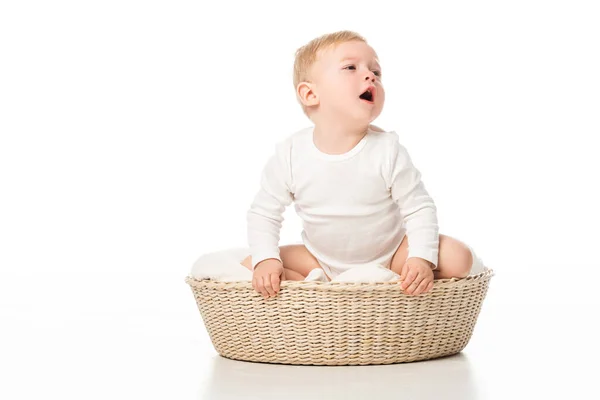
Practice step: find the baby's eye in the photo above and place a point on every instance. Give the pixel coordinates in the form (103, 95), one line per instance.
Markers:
(377, 73)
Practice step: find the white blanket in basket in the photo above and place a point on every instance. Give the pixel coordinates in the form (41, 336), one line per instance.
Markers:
(225, 266)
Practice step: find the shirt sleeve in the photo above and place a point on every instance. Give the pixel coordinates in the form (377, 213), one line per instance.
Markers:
(416, 206)
(265, 216)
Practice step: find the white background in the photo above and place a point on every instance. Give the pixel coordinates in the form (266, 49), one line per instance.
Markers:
(133, 133)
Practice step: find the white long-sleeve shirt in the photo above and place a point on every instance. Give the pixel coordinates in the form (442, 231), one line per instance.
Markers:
(355, 207)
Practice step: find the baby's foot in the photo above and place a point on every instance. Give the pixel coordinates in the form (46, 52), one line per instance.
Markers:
(316, 275)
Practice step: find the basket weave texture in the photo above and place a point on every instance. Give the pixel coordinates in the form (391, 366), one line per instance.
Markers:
(335, 323)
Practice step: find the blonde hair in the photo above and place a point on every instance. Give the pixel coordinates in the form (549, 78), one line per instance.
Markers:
(307, 55)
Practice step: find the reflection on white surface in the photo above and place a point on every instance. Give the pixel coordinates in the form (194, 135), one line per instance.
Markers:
(448, 377)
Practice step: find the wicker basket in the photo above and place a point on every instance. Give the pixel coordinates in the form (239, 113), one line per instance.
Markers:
(334, 323)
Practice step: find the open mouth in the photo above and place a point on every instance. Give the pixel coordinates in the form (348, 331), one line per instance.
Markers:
(368, 94)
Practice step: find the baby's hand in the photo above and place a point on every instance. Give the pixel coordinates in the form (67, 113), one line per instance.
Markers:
(416, 276)
(266, 277)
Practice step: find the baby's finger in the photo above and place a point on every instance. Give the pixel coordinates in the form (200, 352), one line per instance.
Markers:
(259, 286)
(410, 277)
(411, 288)
(256, 285)
(275, 283)
(267, 283)
(422, 286)
(403, 271)
(429, 287)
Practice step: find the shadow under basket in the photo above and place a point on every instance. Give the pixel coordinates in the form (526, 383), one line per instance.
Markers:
(335, 323)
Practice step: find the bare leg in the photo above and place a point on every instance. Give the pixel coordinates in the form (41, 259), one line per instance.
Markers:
(297, 262)
(454, 258)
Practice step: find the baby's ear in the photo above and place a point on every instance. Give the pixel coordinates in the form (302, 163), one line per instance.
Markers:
(306, 94)
(376, 128)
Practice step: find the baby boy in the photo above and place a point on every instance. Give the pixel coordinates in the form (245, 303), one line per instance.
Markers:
(354, 186)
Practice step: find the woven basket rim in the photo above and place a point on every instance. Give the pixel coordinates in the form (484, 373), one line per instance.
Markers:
(486, 274)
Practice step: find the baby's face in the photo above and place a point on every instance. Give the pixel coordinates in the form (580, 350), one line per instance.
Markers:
(341, 76)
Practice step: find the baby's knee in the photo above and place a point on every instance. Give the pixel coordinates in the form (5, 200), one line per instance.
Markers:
(455, 258)
(467, 261)
(463, 261)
